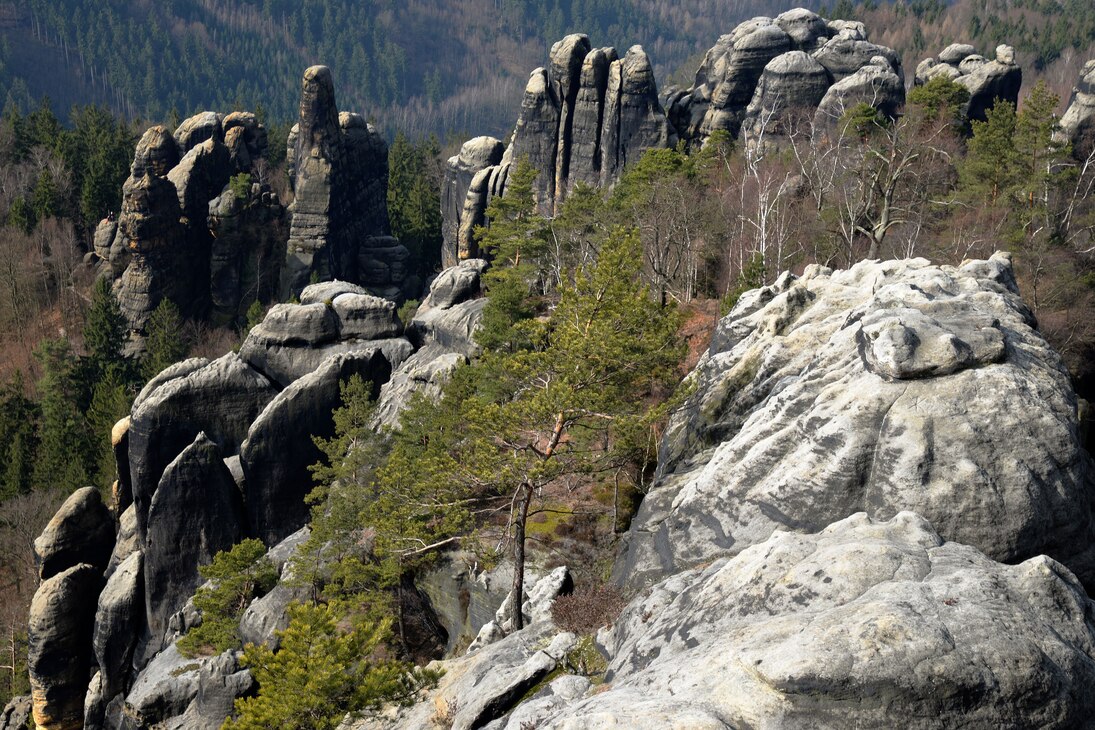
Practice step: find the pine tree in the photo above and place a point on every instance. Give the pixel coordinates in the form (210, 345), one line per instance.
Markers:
(991, 167)
(321, 672)
(17, 437)
(516, 242)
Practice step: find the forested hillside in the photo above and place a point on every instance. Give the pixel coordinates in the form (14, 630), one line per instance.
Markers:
(414, 66)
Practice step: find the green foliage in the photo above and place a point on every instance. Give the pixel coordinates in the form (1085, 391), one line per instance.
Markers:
(165, 345)
(516, 242)
(237, 575)
(111, 399)
(990, 168)
(63, 440)
(322, 671)
(240, 185)
(864, 120)
(414, 201)
(255, 314)
(939, 100)
(18, 439)
(407, 311)
(105, 333)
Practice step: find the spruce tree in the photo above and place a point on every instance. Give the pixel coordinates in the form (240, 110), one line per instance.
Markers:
(164, 345)
(62, 457)
(105, 332)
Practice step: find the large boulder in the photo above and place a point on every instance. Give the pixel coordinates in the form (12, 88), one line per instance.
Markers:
(221, 399)
(875, 84)
(886, 387)
(197, 129)
(156, 153)
(279, 447)
(82, 531)
(865, 624)
(790, 89)
(195, 513)
(986, 81)
(62, 614)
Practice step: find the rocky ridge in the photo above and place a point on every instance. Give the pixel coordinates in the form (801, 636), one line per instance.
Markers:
(212, 452)
(589, 112)
(186, 234)
(836, 537)
(986, 80)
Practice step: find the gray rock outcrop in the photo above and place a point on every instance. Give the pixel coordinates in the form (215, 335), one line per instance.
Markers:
(82, 531)
(874, 389)
(865, 624)
(118, 618)
(584, 117)
(166, 245)
(279, 449)
(986, 81)
(338, 167)
(220, 399)
(194, 513)
(58, 651)
(768, 71)
(875, 84)
(16, 713)
(1078, 121)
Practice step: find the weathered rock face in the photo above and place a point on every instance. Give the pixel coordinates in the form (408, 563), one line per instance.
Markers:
(279, 447)
(583, 118)
(476, 156)
(59, 653)
(987, 81)
(16, 713)
(118, 617)
(295, 339)
(221, 399)
(789, 90)
(167, 247)
(1078, 121)
(339, 171)
(248, 245)
(82, 531)
(865, 624)
(875, 389)
(876, 84)
(770, 69)
(194, 513)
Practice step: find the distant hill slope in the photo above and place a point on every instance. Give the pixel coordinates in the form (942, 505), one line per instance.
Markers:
(417, 65)
(1052, 38)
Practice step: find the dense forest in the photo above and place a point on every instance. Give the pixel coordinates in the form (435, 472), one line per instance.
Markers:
(416, 66)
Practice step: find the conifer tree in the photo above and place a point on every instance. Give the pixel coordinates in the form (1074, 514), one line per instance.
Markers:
(105, 331)
(62, 456)
(164, 345)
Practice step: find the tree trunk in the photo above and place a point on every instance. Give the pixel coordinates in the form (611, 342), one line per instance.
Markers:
(524, 497)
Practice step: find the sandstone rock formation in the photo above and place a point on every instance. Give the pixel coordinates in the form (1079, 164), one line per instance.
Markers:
(58, 651)
(865, 624)
(584, 117)
(987, 81)
(82, 531)
(770, 74)
(213, 248)
(214, 452)
(589, 113)
(874, 389)
(1078, 121)
(338, 167)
